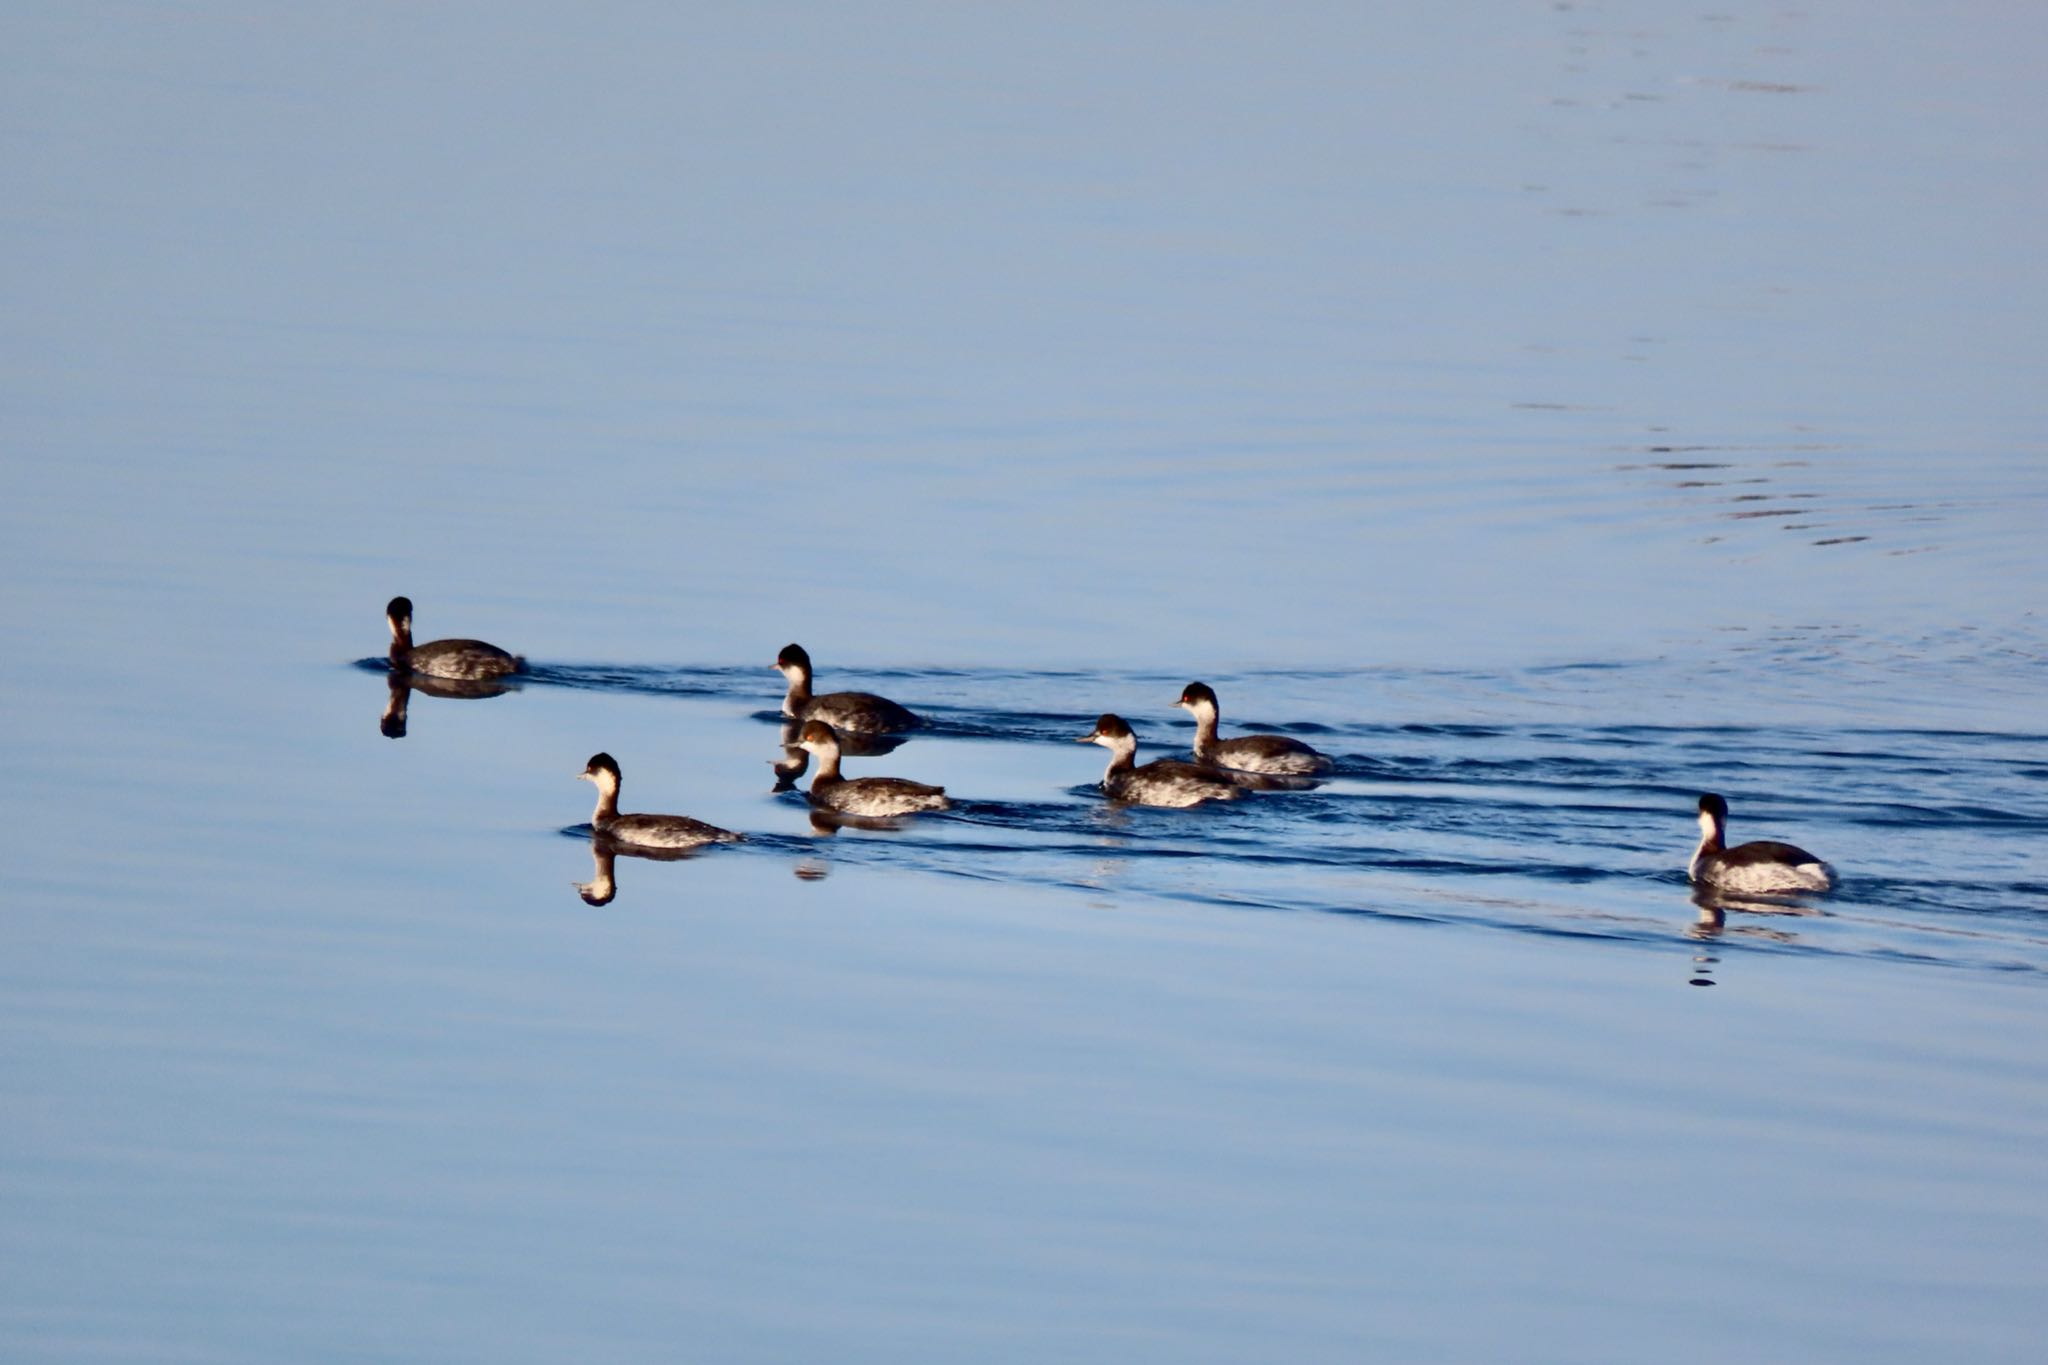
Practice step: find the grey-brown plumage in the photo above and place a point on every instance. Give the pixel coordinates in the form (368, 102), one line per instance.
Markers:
(875, 796)
(1249, 753)
(1762, 867)
(1162, 782)
(458, 659)
(644, 831)
(852, 712)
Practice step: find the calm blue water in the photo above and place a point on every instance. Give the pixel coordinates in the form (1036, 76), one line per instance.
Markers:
(1554, 412)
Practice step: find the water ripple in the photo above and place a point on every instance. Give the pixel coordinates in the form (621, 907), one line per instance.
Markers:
(1575, 823)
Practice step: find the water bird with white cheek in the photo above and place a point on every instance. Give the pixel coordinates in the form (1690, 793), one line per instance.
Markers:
(1762, 868)
(872, 796)
(467, 660)
(1162, 782)
(1247, 753)
(643, 831)
(852, 712)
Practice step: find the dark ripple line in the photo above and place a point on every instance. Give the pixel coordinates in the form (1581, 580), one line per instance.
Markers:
(1638, 761)
(1658, 937)
(741, 682)
(966, 859)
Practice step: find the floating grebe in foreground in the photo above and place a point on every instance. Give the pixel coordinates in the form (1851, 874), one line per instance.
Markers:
(1247, 753)
(1162, 782)
(643, 831)
(878, 796)
(460, 659)
(855, 712)
(1762, 868)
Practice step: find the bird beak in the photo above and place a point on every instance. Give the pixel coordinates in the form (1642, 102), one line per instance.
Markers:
(1084, 739)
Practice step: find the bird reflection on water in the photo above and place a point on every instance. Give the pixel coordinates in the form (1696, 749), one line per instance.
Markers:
(603, 885)
(826, 823)
(392, 724)
(1716, 904)
(1712, 921)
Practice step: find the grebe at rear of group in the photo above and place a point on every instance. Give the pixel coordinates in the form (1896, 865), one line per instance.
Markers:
(1247, 753)
(1764, 867)
(461, 659)
(854, 712)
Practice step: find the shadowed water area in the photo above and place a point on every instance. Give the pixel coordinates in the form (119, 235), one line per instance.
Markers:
(1551, 412)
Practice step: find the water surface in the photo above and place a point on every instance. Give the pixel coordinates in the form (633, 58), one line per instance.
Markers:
(1553, 412)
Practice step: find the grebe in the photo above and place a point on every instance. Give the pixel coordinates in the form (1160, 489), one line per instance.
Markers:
(643, 831)
(460, 659)
(879, 796)
(1162, 782)
(1247, 753)
(854, 712)
(1764, 867)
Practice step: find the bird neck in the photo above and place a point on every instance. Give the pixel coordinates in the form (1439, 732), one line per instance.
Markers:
(1710, 843)
(799, 691)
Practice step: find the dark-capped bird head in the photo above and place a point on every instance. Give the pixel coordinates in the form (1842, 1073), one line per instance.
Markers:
(817, 737)
(1109, 731)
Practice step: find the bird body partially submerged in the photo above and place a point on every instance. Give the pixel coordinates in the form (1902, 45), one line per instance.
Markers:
(1163, 782)
(1763, 867)
(870, 796)
(644, 831)
(462, 660)
(1277, 754)
(845, 712)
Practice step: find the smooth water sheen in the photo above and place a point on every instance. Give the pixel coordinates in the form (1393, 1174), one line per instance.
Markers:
(1552, 411)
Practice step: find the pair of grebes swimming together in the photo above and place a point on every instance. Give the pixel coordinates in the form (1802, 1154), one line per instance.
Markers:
(1222, 770)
